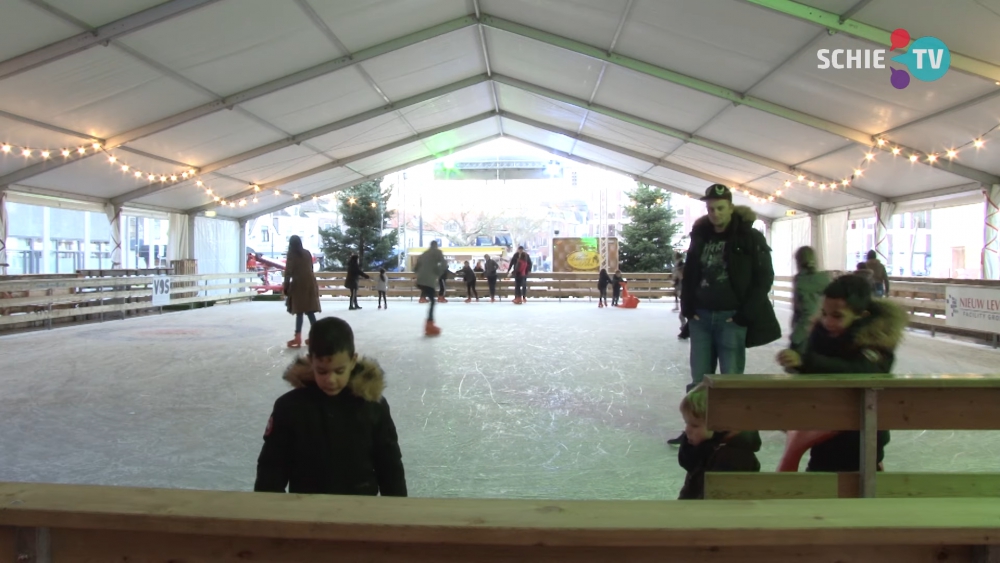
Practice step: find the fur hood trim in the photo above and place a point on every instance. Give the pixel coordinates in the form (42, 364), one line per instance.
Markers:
(884, 327)
(742, 213)
(367, 380)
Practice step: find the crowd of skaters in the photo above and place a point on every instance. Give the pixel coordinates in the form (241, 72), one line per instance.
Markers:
(838, 326)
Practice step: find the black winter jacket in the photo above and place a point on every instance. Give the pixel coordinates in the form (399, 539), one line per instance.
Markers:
(516, 260)
(340, 445)
(748, 262)
(603, 281)
(867, 346)
(721, 452)
(354, 272)
(468, 274)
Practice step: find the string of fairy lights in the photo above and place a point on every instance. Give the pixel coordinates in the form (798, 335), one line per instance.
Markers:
(256, 192)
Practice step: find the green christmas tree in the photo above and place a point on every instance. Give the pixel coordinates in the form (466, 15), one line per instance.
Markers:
(648, 239)
(364, 210)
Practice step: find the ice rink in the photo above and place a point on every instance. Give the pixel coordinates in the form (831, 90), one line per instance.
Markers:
(553, 400)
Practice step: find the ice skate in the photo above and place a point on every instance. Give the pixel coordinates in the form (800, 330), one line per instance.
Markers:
(295, 342)
(430, 329)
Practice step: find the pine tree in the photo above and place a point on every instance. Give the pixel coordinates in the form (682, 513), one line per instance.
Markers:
(648, 239)
(364, 210)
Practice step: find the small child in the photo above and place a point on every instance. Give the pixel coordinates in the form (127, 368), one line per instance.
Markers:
(469, 275)
(807, 290)
(602, 287)
(854, 334)
(333, 433)
(703, 450)
(382, 286)
(618, 280)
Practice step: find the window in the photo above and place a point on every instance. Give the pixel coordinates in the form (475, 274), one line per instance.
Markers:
(573, 178)
(265, 234)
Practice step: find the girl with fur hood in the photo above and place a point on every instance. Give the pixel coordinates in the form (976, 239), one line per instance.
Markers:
(332, 434)
(854, 334)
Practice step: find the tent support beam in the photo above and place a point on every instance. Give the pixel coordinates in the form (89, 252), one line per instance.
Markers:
(652, 160)
(637, 177)
(722, 92)
(307, 135)
(677, 78)
(676, 133)
(854, 28)
(253, 93)
(370, 177)
(100, 36)
(342, 163)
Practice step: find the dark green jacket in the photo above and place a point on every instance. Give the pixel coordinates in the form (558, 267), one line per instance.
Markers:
(807, 293)
(340, 445)
(748, 262)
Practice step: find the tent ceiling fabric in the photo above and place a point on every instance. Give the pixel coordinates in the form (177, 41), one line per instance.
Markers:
(306, 96)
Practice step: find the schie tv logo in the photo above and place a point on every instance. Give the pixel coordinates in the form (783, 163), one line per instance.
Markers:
(928, 59)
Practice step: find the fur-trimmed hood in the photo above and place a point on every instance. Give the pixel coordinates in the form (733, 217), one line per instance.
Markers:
(883, 328)
(743, 216)
(367, 380)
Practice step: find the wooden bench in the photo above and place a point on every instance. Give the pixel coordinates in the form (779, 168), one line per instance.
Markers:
(78, 523)
(867, 403)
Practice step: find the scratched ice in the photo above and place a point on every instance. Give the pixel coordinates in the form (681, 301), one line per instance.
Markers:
(554, 400)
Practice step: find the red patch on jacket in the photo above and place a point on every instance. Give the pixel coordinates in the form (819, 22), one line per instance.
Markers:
(270, 427)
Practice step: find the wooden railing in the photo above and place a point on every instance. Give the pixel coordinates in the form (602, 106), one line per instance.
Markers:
(35, 302)
(73, 523)
(540, 285)
(923, 299)
(867, 403)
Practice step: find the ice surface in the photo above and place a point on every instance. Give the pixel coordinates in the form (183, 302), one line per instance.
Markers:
(554, 400)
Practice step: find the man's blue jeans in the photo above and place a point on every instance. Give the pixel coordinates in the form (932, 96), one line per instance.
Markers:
(716, 342)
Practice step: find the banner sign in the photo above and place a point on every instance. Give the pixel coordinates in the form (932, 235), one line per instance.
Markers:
(975, 308)
(161, 290)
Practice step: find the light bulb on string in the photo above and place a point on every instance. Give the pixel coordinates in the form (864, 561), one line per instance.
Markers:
(26, 152)
(255, 199)
(138, 174)
(895, 151)
(184, 175)
(858, 172)
(822, 186)
(97, 146)
(801, 177)
(199, 183)
(914, 158)
(65, 152)
(277, 192)
(163, 178)
(811, 184)
(869, 157)
(112, 159)
(846, 182)
(5, 148)
(932, 158)
(151, 177)
(82, 150)
(217, 198)
(881, 142)
(770, 198)
(45, 154)
(124, 167)
(173, 178)
(952, 153)
(978, 143)
(788, 184)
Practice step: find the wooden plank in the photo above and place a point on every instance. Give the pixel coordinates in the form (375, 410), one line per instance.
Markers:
(961, 408)
(79, 546)
(41, 316)
(855, 381)
(869, 442)
(784, 409)
(8, 553)
(761, 486)
(503, 522)
(765, 485)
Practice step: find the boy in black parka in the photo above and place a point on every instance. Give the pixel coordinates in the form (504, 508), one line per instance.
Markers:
(702, 450)
(333, 433)
(854, 334)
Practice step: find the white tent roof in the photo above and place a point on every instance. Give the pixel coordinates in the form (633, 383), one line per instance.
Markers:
(310, 96)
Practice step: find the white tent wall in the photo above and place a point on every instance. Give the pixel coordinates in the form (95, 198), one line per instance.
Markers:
(216, 245)
(831, 242)
(114, 213)
(991, 234)
(786, 237)
(883, 216)
(179, 245)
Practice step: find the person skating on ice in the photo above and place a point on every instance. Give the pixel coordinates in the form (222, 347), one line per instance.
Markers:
(469, 276)
(382, 286)
(616, 287)
(430, 267)
(520, 264)
(491, 268)
(299, 287)
(603, 281)
(354, 272)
